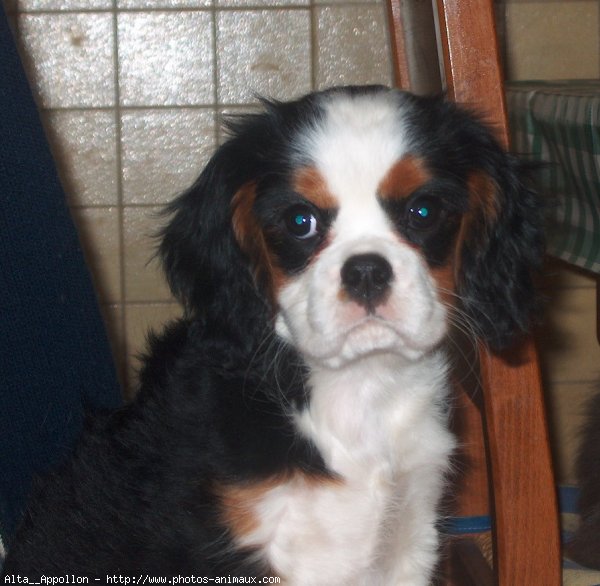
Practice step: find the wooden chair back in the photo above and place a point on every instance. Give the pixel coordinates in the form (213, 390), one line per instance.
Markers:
(510, 428)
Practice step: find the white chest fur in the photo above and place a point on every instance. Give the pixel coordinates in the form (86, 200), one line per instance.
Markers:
(380, 428)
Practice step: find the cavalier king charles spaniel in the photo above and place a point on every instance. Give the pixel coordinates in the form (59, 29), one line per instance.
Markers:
(294, 423)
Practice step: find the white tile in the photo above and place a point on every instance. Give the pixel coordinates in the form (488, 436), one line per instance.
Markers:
(259, 3)
(569, 350)
(70, 58)
(263, 52)
(144, 279)
(166, 58)
(85, 150)
(33, 5)
(163, 151)
(567, 406)
(154, 4)
(352, 45)
(553, 40)
(329, 2)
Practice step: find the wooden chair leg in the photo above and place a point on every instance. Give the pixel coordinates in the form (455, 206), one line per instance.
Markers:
(525, 504)
(525, 508)
(471, 486)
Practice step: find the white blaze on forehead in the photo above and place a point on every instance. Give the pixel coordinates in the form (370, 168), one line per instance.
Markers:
(354, 147)
(359, 146)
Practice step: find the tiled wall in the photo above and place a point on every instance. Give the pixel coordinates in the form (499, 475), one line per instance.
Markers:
(560, 39)
(552, 39)
(570, 356)
(132, 92)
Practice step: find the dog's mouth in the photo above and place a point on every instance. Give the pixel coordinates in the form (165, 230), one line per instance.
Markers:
(370, 336)
(333, 323)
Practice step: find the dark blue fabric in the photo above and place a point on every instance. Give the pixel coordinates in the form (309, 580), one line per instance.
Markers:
(568, 497)
(55, 361)
(466, 525)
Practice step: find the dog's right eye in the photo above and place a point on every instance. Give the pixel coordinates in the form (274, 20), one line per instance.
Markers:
(301, 222)
(423, 214)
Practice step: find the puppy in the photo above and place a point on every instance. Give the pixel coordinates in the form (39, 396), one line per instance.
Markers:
(294, 423)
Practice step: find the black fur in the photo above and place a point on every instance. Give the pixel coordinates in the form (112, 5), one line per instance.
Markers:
(446, 201)
(274, 202)
(141, 492)
(584, 548)
(499, 258)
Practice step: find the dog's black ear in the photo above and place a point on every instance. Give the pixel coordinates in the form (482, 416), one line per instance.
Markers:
(502, 246)
(204, 264)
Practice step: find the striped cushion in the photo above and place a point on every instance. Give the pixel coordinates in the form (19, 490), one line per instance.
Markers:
(559, 123)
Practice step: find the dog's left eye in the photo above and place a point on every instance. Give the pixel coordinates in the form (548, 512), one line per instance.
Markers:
(301, 222)
(423, 214)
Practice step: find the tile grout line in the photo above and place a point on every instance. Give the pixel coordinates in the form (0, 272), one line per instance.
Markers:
(117, 110)
(313, 44)
(216, 78)
(124, 371)
(206, 8)
(157, 107)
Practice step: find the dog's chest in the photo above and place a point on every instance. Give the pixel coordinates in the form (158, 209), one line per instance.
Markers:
(321, 530)
(332, 529)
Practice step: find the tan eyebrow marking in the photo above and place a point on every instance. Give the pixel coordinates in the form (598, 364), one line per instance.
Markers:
(310, 184)
(403, 178)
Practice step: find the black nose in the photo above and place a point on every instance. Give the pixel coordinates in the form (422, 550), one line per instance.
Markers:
(366, 279)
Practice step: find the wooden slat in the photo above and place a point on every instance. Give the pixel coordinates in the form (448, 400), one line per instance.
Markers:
(472, 60)
(471, 487)
(526, 517)
(471, 498)
(398, 46)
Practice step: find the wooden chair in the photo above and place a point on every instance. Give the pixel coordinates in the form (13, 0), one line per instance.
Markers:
(507, 438)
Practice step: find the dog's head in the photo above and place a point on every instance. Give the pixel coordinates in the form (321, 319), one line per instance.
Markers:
(350, 221)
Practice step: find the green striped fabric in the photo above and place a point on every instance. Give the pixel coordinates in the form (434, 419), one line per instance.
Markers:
(559, 123)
